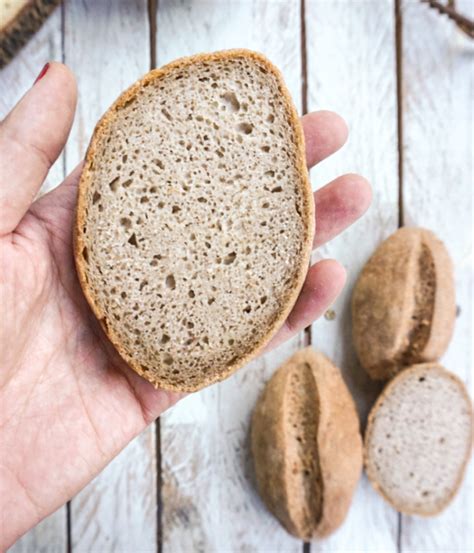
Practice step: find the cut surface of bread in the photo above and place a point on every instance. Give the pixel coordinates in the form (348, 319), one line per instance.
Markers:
(195, 217)
(19, 19)
(419, 438)
(306, 445)
(403, 304)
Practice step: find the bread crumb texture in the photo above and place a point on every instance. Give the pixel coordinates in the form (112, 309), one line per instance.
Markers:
(419, 438)
(195, 217)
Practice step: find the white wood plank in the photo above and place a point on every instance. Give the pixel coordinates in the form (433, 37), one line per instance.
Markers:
(438, 77)
(351, 70)
(117, 511)
(107, 47)
(19, 75)
(50, 536)
(209, 502)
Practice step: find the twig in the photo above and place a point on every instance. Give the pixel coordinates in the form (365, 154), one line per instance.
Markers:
(465, 24)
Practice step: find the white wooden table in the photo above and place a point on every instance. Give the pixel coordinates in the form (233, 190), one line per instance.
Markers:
(186, 484)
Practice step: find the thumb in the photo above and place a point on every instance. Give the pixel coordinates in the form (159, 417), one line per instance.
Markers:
(31, 138)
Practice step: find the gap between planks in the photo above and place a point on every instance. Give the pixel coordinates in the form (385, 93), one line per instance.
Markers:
(304, 105)
(401, 222)
(152, 15)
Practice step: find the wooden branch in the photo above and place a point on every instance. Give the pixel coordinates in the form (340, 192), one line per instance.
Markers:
(465, 24)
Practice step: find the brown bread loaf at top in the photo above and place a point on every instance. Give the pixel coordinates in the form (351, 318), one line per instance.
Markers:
(403, 304)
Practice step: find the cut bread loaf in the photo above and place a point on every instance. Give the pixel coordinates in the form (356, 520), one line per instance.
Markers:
(419, 439)
(19, 19)
(403, 305)
(306, 445)
(195, 217)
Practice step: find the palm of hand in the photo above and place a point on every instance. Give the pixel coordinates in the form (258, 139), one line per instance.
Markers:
(69, 403)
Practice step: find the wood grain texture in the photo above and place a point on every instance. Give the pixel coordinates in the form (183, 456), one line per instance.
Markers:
(438, 85)
(107, 46)
(351, 70)
(209, 498)
(50, 536)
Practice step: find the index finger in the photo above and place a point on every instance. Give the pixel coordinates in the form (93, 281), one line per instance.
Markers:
(325, 132)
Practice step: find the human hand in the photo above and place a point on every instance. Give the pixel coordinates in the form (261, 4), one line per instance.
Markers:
(69, 403)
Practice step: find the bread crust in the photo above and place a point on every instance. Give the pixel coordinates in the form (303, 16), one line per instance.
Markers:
(308, 211)
(384, 303)
(19, 30)
(371, 475)
(339, 446)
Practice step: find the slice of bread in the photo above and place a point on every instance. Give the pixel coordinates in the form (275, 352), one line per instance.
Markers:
(195, 217)
(306, 445)
(419, 439)
(19, 19)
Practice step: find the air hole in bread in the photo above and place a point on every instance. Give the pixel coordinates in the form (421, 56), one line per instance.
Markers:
(167, 114)
(114, 184)
(276, 189)
(158, 163)
(133, 240)
(85, 254)
(128, 102)
(96, 197)
(245, 128)
(170, 282)
(126, 222)
(230, 258)
(168, 359)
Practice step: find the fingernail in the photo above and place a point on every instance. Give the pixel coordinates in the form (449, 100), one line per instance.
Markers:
(42, 73)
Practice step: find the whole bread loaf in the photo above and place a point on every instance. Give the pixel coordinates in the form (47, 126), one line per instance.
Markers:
(403, 304)
(306, 445)
(419, 439)
(195, 217)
